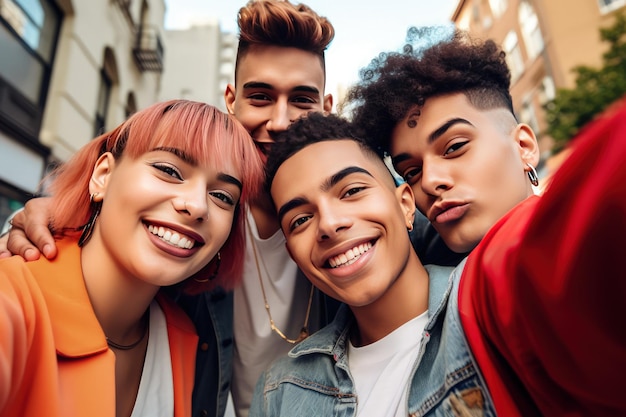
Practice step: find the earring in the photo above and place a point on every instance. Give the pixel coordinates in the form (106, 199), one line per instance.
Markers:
(409, 226)
(95, 207)
(532, 175)
(218, 262)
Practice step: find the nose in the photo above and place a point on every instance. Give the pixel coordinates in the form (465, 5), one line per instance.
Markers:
(194, 205)
(331, 221)
(436, 177)
(280, 119)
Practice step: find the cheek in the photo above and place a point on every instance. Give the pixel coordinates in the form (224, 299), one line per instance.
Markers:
(299, 251)
(220, 224)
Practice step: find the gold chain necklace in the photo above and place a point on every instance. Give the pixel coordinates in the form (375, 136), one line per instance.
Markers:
(304, 332)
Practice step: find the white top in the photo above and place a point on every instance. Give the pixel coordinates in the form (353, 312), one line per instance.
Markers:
(156, 389)
(382, 369)
(256, 345)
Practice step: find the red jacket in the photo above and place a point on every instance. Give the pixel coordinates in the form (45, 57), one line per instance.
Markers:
(543, 297)
(54, 359)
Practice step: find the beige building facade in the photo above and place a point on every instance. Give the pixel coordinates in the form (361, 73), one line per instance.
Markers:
(69, 70)
(544, 40)
(200, 63)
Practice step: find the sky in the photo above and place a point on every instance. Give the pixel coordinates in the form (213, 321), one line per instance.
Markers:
(362, 31)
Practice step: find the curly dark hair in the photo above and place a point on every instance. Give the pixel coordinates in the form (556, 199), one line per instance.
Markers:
(313, 128)
(396, 82)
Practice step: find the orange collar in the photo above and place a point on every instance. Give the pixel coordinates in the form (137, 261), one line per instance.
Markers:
(77, 332)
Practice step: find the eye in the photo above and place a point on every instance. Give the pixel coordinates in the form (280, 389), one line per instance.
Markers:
(411, 175)
(352, 191)
(298, 221)
(169, 170)
(455, 147)
(224, 197)
(259, 97)
(303, 100)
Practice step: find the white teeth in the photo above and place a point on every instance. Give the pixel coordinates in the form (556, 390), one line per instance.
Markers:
(171, 237)
(350, 256)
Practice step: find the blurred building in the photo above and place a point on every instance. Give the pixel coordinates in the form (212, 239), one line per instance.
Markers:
(70, 69)
(544, 40)
(200, 62)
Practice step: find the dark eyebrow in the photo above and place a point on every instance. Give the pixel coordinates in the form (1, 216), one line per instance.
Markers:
(432, 137)
(445, 127)
(327, 185)
(266, 86)
(230, 179)
(334, 179)
(289, 205)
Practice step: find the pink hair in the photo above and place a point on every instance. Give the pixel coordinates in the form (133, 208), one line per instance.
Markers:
(199, 130)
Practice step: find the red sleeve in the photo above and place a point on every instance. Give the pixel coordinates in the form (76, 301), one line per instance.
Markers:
(543, 297)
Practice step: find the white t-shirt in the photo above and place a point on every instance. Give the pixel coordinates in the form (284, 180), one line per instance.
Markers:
(256, 345)
(382, 369)
(155, 397)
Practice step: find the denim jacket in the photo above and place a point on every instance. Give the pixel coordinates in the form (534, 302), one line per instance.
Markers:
(314, 378)
(212, 313)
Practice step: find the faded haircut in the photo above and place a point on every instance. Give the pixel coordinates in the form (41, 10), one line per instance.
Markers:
(395, 83)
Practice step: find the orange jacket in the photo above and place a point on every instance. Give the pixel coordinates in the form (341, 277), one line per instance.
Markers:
(54, 359)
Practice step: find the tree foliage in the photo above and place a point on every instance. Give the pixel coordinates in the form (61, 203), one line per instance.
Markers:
(595, 89)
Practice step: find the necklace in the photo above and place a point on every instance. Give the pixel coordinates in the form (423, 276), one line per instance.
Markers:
(134, 344)
(304, 333)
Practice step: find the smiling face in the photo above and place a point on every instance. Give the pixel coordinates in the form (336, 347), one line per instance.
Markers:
(467, 167)
(164, 216)
(275, 86)
(344, 220)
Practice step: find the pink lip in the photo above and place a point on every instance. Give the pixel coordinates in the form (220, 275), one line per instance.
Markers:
(182, 230)
(345, 247)
(448, 212)
(347, 272)
(172, 250)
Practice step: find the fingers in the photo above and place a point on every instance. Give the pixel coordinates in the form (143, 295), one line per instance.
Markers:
(30, 237)
(18, 244)
(4, 252)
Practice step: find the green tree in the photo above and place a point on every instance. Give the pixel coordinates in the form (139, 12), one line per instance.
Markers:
(595, 89)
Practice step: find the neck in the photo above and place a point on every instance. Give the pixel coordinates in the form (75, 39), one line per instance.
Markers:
(119, 302)
(404, 300)
(264, 217)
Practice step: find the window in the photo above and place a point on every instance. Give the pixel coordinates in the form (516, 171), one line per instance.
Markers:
(131, 105)
(103, 103)
(531, 32)
(528, 115)
(610, 5)
(108, 78)
(28, 34)
(498, 7)
(513, 55)
(547, 91)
